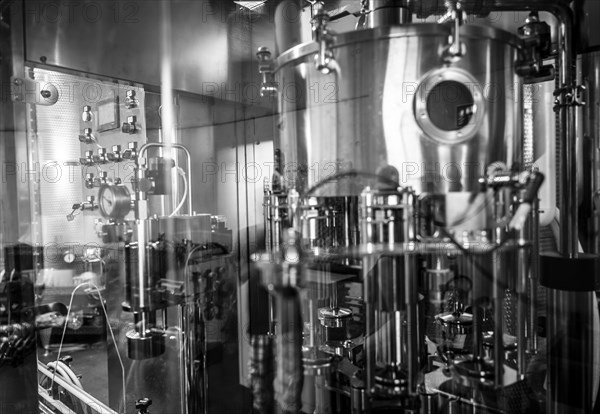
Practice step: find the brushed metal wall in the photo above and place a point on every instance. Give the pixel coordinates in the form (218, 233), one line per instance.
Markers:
(212, 42)
(57, 152)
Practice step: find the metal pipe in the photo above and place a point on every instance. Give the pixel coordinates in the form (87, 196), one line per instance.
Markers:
(566, 113)
(564, 362)
(570, 351)
(388, 13)
(591, 74)
(148, 145)
(478, 352)
(534, 277)
(412, 339)
(521, 290)
(369, 263)
(184, 356)
(498, 284)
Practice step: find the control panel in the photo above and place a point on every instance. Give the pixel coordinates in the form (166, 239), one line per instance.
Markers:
(111, 132)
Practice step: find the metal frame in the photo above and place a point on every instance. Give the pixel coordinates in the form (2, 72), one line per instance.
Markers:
(76, 392)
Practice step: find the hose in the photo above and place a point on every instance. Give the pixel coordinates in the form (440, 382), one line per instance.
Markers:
(185, 193)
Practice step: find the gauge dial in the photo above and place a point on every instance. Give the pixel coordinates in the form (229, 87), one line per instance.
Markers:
(114, 201)
(69, 257)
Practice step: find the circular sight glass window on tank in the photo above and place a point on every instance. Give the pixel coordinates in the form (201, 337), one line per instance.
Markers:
(449, 106)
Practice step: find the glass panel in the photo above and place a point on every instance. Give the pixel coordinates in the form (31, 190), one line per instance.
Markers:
(289, 206)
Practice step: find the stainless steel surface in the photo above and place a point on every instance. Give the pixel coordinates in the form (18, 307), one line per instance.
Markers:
(566, 112)
(56, 174)
(9, 129)
(570, 351)
(560, 388)
(361, 117)
(499, 283)
(566, 115)
(292, 25)
(586, 14)
(591, 78)
(545, 136)
(388, 13)
(523, 334)
(185, 329)
(211, 41)
(20, 127)
(392, 327)
(364, 120)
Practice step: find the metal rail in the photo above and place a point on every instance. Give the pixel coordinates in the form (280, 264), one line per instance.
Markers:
(84, 397)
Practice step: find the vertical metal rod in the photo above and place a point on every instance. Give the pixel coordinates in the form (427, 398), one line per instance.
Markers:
(498, 297)
(334, 296)
(397, 266)
(521, 290)
(412, 340)
(477, 314)
(322, 395)
(184, 369)
(164, 318)
(312, 341)
(204, 387)
(568, 189)
(268, 218)
(569, 351)
(272, 322)
(370, 334)
(347, 224)
(534, 277)
(591, 72)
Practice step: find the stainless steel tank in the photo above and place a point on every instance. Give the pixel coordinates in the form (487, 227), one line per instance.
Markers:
(396, 102)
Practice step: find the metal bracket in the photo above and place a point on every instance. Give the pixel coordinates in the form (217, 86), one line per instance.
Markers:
(33, 92)
(324, 60)
(268, 86)
(455, 49)
(569, 96)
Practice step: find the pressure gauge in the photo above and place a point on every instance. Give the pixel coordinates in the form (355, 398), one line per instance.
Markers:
(114, 201)
(69, 257)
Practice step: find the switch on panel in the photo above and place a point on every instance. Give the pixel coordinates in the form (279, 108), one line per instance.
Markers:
(129, 127)
(87, 137)
(131, 152)
(86, 115)
(130, 100)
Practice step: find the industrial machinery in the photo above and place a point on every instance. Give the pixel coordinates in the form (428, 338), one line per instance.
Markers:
(177, 272)
(398, 212)
(402, 223)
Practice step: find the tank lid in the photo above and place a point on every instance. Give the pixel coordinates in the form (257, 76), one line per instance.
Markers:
(469, 31)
